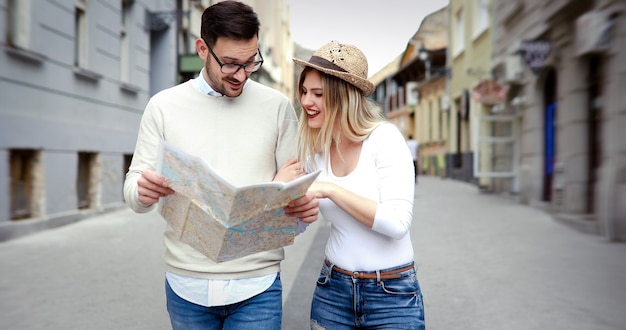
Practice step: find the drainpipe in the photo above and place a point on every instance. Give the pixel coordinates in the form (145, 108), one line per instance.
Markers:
(448, 73)
(611, 193)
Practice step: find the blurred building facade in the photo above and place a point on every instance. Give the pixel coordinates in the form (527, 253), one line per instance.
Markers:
(469, 62)
(521, 97)
(562, 66)
(412, 91)
(533, 104)
(75, 76)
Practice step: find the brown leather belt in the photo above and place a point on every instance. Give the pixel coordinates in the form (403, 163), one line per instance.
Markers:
(371, 275)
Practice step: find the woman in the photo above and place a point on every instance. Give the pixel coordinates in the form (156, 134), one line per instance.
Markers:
(366, 191)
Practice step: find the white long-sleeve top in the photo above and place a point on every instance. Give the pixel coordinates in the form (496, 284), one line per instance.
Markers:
(384, 174)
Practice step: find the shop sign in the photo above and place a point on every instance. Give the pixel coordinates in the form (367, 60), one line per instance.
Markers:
(535, 53)
(489, 92)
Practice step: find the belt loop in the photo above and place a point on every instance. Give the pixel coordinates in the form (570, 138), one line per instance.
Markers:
(331, 266)
(377, 276)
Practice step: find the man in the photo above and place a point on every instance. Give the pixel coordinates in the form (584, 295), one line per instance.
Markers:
(245, 131)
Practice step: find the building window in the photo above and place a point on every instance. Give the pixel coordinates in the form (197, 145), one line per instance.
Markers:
(430, 120)
(80, 34)
(22, 169)
(86, 179)
(440, 118)
(481, 16)
(459, 40)
(125, 41)
(18, 23)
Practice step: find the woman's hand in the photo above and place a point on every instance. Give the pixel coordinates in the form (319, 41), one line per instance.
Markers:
(292, 169)
(360, 208)
(306, 208)
(322, 189)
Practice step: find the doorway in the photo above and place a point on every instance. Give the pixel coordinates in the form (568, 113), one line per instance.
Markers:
(550, 136)
(594, 108)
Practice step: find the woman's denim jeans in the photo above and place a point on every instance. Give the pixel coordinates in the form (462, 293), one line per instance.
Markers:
(343, 302)
(263, 311)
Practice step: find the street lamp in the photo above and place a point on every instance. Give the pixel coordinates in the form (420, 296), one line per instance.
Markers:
(424, 55)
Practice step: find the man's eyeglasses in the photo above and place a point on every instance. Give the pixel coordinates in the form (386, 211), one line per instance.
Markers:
(231, 68)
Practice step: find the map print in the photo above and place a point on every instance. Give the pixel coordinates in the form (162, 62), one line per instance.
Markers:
(220, 220)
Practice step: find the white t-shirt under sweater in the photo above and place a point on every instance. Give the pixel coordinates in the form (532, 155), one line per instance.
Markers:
(384, 174)
(245, 138)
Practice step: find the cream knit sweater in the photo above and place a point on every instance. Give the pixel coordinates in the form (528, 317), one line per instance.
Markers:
(246, 139)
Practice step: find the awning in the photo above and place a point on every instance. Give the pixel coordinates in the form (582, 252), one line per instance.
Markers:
(593, 32)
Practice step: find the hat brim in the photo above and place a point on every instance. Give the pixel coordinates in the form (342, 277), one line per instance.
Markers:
(365, 86)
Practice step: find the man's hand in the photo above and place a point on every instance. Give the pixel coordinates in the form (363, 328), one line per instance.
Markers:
(151, 187)
(306, 208)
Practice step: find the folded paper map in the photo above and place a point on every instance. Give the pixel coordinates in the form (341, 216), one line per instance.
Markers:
(220, 220)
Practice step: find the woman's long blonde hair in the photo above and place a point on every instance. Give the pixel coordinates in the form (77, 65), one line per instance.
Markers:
(347, 111)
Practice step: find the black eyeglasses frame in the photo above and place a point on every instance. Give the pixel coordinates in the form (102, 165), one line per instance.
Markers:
(256, 64)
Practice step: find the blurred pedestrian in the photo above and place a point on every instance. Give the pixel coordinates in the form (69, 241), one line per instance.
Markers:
(413, 148)
(244, 130)
(368, 277)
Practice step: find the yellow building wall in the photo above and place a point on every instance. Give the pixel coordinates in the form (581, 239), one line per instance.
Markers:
(469, 56)
(431, 127)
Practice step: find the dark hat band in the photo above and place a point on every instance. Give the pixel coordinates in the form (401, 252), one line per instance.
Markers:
(319, 61)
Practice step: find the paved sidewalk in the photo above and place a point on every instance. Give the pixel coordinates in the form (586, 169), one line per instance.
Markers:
(107, 273)
(100, 273)
(484, 262)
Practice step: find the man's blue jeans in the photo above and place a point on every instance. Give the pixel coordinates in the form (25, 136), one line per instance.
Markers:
(341, 301)
(263, 311)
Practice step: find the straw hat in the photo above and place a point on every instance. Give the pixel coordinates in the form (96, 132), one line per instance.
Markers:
(345, 62)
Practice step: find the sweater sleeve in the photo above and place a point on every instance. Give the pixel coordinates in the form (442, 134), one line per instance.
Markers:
(394, 166)
(145, 155)
(287, 127)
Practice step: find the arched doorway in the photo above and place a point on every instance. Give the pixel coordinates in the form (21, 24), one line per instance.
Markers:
(549, 142)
